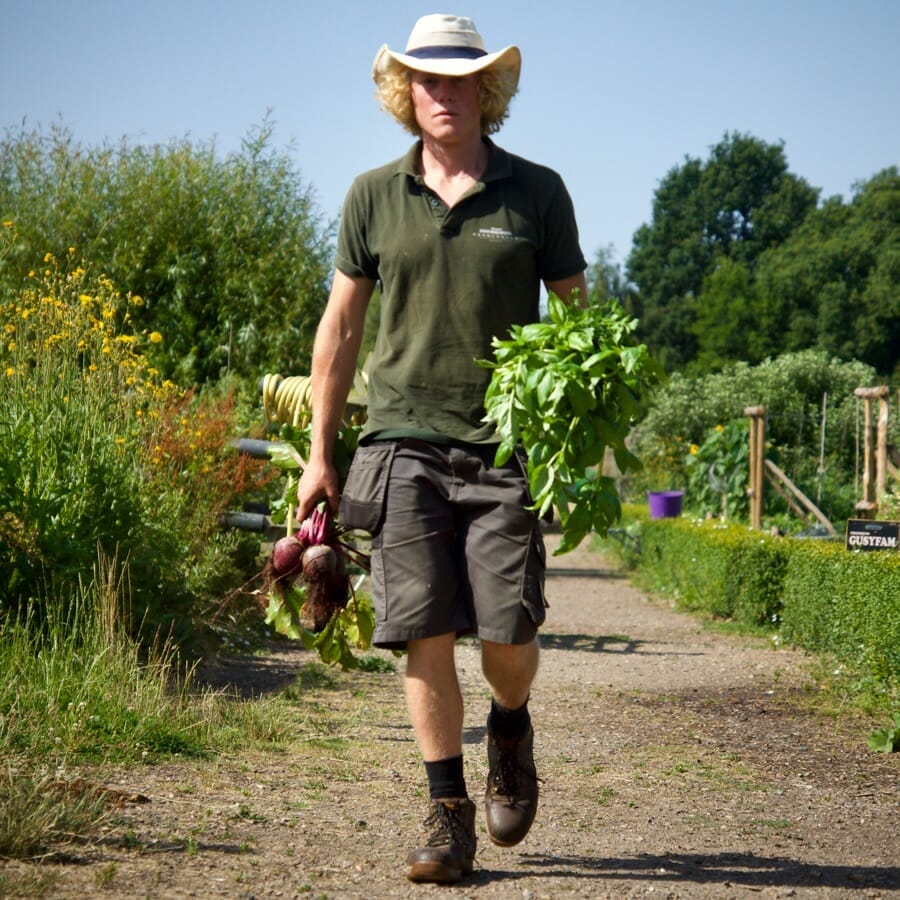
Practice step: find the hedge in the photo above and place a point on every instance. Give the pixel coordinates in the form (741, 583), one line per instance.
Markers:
(817, 594)
(725, 570)
(846, 603)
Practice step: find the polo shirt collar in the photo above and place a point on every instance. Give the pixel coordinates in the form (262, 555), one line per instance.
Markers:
(499, 164)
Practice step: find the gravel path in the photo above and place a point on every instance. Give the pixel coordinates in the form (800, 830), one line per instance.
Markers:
(677, 762)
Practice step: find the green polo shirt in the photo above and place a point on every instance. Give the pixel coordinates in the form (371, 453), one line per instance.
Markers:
(451, 280)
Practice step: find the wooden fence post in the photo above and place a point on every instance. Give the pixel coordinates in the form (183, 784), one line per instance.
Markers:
(757, 416)
(874, 482)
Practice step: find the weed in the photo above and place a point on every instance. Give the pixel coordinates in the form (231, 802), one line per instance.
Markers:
(37, 810)
(105, 874)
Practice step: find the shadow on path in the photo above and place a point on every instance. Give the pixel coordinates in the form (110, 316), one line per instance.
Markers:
(593, 643)
(559, 572)
(717, 868)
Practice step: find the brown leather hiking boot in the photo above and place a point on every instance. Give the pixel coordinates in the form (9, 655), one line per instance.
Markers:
(449, 852)
(511, 798)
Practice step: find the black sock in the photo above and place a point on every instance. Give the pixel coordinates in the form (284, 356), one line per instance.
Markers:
(445, 778)
(508, 723)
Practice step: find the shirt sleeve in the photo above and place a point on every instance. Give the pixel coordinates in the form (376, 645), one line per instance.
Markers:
(353, 257)
(560, 255)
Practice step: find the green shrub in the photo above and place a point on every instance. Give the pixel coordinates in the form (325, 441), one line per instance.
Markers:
(801, 392)
(99, 454)
(846, 603)
(822, 597)
(719, 471)
(229, 254)
(727, 571)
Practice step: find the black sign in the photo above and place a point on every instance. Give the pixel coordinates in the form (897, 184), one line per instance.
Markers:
(867, 534)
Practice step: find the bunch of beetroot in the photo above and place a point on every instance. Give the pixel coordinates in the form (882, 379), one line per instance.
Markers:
(314, 560)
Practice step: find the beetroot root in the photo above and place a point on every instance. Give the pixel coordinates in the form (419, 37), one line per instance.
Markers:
(326, 586)
(287, 557)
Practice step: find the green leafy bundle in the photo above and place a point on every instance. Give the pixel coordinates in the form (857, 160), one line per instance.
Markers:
(565, 389)
(349, 629)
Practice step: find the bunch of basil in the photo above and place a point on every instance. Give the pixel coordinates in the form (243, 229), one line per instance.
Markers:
(566, 389)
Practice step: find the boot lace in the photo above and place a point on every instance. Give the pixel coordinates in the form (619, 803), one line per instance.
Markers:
(506, 776)
(447, 825)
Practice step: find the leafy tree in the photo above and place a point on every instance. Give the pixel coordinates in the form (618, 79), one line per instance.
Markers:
(228, 255)
(736, 205)
(605, 278)
(835, 283)
(726, 320)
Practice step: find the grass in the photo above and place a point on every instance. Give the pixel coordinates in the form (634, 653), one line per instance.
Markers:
(38, 810)
(80, 692)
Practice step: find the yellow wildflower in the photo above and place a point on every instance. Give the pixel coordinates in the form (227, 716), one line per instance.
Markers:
(10, 371)
(155, 337)
(694, 449)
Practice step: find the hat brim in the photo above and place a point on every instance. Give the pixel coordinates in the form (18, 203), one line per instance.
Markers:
(508, 58)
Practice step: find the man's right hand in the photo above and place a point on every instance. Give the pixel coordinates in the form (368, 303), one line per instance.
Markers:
(318, 482)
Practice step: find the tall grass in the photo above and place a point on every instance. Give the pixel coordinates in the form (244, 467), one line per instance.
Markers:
(79, 691)
(78, 686)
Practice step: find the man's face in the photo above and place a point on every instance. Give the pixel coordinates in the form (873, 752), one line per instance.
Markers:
(446, 108)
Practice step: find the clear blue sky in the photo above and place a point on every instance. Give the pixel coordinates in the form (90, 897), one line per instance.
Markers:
(614, 93)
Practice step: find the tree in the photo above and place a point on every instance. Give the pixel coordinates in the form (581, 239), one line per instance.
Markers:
(835, 283)
(228, 255)
(605, 278)
(736, 205)
(725, 323)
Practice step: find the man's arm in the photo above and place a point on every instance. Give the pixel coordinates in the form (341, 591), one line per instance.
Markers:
(564, 286)
(334, 359)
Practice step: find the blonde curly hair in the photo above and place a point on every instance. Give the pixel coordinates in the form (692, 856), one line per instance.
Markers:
(496, 88)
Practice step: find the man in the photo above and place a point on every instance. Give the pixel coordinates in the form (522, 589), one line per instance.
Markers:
(460, 234)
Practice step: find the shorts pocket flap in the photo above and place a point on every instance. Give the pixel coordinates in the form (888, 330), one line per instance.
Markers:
(362, 500)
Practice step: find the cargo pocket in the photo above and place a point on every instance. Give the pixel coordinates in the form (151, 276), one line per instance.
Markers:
(362, 500)
(533, 597)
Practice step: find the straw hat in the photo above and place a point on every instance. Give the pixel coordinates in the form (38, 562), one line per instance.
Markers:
(446, 45)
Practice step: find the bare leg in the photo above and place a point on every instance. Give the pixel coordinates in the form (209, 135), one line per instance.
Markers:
(510, 670)
(434, 697)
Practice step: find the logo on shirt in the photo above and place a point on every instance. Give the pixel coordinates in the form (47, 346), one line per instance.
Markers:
(494, 234)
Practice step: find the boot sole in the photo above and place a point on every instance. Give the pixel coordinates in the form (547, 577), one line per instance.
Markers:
(435, 873)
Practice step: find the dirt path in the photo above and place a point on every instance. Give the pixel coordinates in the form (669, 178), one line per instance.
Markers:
(677, 763)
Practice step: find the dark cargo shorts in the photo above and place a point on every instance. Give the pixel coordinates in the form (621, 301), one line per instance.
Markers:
(454, 546)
